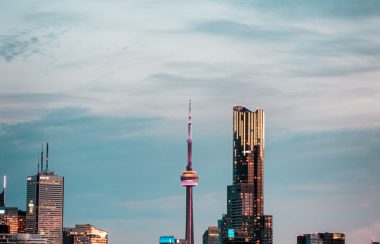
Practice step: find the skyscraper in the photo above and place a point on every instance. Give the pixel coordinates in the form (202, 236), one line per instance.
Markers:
(245, 221)
(44, 207)
(189, 179)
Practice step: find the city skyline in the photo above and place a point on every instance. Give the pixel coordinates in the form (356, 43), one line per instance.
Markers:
(106, 84)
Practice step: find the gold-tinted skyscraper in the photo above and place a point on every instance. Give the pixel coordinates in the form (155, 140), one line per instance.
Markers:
(44, 206)
(245, 221)
(248, 153)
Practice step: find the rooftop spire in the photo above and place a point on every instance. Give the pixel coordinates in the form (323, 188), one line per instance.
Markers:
(42, 158)
(38, 164)
(47, 158)
(189, 141)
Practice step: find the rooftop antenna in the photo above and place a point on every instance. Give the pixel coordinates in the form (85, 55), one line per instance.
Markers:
(38, 164)
(47, 157)
(42, 158)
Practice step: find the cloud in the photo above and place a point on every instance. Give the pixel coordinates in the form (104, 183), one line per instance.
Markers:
(41, 27)
(365, 234)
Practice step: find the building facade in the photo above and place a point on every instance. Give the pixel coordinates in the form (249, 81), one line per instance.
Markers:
(22, 239)
(9, 217)
(321, 238)
(210, 236)
(85, 234)
(245, 221)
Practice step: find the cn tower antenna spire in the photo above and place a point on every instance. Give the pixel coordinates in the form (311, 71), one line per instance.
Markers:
(189, 141)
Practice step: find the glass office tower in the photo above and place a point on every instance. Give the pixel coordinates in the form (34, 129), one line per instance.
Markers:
(44, 206)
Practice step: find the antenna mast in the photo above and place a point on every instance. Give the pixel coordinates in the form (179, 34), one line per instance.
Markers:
(189, 140)
(38, 164)
(47, 157)
(42, 158)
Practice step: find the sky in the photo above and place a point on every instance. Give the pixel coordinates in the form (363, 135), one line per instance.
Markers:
(107, 84)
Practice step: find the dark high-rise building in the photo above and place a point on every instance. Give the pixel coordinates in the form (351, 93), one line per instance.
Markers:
(21, 221)
(210, 236)
(321, 238)
(245, 221)
(84, 234)
(189, 179)
(45, 193)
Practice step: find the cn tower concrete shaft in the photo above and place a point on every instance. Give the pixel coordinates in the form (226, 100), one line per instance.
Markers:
(189, 215)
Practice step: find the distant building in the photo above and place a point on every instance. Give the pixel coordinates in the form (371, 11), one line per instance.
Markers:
(375, 242)
(44, 207)
(21, 221)
(9, 216)
(210, 236)
(167, 239)
(22, 239)
(84, 234)
(172, 239)
(321, 238)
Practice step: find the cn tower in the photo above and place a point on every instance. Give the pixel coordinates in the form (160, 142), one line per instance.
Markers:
(189, 179)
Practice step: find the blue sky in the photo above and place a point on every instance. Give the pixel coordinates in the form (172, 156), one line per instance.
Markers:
(107, 84)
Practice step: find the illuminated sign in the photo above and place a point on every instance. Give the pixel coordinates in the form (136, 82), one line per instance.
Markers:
(2, 211)
(231, 233)
(167, 239)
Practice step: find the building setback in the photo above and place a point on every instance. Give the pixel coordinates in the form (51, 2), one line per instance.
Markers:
(44, 206)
